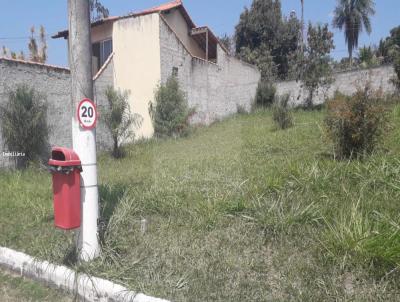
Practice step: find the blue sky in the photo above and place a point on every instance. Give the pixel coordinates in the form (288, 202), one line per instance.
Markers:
(18, 16)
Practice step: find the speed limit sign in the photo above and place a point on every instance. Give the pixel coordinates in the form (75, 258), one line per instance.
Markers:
(87, 114)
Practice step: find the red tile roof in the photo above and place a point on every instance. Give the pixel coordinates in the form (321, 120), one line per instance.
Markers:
(176, 4)
(160, 8)
(157, 9)
(165, 7)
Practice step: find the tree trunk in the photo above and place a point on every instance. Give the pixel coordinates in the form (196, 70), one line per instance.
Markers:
(309, 102)
(115, 152)
(351, 56)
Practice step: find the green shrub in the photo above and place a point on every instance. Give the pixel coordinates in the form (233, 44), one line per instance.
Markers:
(355, 124)
(119, 120)
(24, 124)
(171, 113)
(367, 57)
(281, 114)
(265, 95)
(396, 78)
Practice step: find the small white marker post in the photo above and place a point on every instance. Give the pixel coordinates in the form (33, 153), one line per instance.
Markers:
(83, 125)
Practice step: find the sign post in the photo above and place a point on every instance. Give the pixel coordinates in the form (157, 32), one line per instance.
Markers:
(83, 125)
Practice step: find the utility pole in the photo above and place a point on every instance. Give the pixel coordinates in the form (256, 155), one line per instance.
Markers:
(84, 140)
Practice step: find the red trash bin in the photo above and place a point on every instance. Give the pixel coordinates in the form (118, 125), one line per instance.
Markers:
(65, 166)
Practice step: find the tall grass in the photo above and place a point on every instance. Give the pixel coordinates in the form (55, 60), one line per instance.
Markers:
(234, 212)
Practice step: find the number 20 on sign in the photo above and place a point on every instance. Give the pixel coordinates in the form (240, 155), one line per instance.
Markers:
(87, 114)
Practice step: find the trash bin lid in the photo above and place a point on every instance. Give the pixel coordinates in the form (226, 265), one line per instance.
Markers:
(61, 156)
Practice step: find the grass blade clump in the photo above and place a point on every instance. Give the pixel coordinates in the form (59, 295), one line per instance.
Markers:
(281, 113)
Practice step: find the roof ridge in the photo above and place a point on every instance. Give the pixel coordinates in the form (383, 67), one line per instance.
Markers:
(158, 8)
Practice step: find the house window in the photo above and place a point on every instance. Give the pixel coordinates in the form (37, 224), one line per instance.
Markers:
(175, 71)
(102, 50)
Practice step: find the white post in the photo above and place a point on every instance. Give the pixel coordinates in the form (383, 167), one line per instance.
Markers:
(84, 141)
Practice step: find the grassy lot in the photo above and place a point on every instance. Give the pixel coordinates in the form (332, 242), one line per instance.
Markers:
(17, 289)
(235, 212)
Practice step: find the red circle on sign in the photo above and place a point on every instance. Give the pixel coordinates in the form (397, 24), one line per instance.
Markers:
(86, 120)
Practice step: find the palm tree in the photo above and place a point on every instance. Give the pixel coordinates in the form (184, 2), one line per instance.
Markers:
(353, 16)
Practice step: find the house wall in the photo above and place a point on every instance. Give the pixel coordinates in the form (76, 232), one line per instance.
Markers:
(214, 90)
(55, 84)
(102, 32)
(345, 82)
(179, 25)
(137, 63)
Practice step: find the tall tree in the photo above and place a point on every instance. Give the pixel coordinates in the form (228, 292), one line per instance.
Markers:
(43, 45)
(315, 70)
(389, 48)
(97, 10)
(228, 42)
(38, 51)
(33, 47)
(264, 35)
(353, 16)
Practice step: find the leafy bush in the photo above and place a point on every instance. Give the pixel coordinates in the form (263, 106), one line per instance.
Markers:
(171, 113)
(281, 113)
(119, 120)
(265, 95)
(396, 78)
(355, 124)
(24, 124)
(367, 57)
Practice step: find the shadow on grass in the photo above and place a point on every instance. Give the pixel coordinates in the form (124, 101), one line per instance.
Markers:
(326, 155)
(110, 197)
(71, 256)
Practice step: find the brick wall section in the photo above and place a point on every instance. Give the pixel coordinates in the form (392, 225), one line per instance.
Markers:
(55, 83)
(214, 90)
(345, 82)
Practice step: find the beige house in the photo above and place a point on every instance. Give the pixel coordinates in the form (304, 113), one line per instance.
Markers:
(139, 51)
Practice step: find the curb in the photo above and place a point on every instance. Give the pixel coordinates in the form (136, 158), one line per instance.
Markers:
(89, 288)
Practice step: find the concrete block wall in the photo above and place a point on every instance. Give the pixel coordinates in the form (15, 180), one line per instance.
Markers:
(101, 83)
(214, 90)
(239, 83)
(55, 83)
(345, 82)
